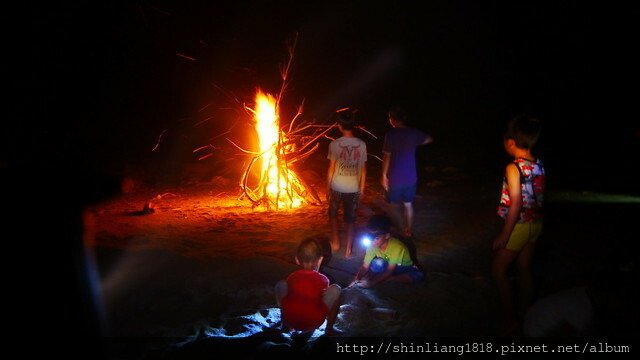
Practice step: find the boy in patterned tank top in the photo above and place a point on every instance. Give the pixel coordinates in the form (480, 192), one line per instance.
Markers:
(520, 206)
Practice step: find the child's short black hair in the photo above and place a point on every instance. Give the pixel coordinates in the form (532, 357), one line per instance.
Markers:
(398, 113)
(524, 129)
(346, 118)
(379, 223)
(309, 250)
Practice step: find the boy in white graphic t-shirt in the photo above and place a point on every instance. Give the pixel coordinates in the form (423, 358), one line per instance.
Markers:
(345, 178)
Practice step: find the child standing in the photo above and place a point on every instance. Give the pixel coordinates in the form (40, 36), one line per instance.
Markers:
(399, 174)
(520, 206)
(346, 178)
(306, 299)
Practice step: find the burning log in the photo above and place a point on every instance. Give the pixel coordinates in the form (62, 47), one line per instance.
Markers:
(279, 185)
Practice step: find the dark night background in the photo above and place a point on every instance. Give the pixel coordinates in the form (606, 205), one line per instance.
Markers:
(103, 81)
(99, 82)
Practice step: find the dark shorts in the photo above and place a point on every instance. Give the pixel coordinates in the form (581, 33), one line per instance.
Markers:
(401, 194)
(414, 273)
(348, 202)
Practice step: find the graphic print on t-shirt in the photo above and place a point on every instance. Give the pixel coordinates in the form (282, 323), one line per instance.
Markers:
(350, 156)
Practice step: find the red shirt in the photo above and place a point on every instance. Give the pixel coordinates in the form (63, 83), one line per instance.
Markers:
(303, 308)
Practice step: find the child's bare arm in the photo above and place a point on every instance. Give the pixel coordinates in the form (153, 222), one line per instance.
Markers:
(361, 272)
(371, 282)
(513, 183)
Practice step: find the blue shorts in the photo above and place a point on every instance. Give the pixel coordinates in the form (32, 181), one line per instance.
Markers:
(414, 273)
(348, 202)
(404, 193)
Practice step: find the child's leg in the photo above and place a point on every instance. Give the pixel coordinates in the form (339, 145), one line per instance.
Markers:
(501, 262)
(350, 234)
(331, 298)
(525, 276)
(335, 235)
(349, 205)
(407, 194)
(408, 219)
(334, 204)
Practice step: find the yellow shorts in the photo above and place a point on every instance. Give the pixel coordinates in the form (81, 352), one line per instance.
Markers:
(522, 234)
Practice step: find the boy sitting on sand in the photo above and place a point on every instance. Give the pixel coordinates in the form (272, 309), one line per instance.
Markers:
(387, 258)
(306, 299)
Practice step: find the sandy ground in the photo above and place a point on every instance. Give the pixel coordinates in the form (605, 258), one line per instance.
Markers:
(203, 264)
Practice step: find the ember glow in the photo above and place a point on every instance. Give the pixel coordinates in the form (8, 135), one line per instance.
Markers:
(278, 186)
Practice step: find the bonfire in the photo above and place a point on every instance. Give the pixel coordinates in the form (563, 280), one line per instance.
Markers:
(282, 147)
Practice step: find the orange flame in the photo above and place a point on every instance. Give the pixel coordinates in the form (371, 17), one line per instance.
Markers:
(277, 180)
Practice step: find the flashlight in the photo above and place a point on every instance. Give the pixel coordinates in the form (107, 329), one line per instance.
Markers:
(366, 240)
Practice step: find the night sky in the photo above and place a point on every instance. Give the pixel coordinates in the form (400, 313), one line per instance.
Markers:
(103, 81)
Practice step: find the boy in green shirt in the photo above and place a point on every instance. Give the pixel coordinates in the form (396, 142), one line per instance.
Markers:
(387, 258)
